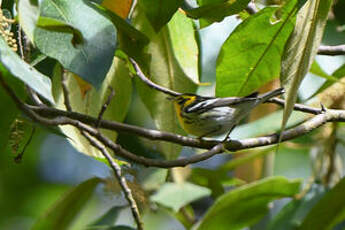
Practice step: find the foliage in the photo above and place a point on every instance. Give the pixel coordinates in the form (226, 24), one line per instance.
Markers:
(74, 57)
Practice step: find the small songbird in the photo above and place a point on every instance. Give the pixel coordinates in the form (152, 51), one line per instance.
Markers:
(209, 116)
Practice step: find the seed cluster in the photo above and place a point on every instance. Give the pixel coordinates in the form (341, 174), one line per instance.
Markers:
(6, 33)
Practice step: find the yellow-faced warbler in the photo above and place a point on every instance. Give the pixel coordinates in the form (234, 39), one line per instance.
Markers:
(209, 116)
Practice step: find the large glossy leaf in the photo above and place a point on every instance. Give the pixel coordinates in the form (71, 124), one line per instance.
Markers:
(247, 204)
(177, 195)
(28, 14)
(159, 12)
(11, 62)
(89, 101)
(329, 211)
(251, 56)
(62, 214)
(301, 49)
(216, 12)
(163, 69)
(90, 58)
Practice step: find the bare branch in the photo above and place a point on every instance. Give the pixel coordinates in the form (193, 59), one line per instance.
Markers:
(251, 8)
(105, 106)
(116, 168)
(297, 107)
(122, 181)
(65, 90)
(153, 85)
(331, 50)
(214, 146)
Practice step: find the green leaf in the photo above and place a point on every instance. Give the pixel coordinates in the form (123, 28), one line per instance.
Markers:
(131, 40)
(292, 214)
(159, 219)
(329, 211)
(163, 69)
(108, 218)
(105, 227)
(62, 214)
(177, 195)
(301, 49)
(184, 44)
(28, 13)
(61, 26)
(90, 58)
(87, 100)
(244, 206)
(336, 76)
(11, 62)
(316, 69)
(216, 12)
(249, 59)
(159, 12)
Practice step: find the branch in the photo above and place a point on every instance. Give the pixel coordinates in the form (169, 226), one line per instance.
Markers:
(153, 85)
(332, 50)
(116, 168)
(214, 146)
(122, 181)
(105, 106)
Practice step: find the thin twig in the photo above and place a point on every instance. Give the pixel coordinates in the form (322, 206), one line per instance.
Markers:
(34, 97)
(251, 8)
(65, 90)
(20, 42)
(116, 168)
(105, 106)
(153, 85)
(122, 181)
(19, 157)
(297, 107)
(331, 50)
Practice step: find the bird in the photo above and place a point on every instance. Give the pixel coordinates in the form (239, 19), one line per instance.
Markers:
(210, 116)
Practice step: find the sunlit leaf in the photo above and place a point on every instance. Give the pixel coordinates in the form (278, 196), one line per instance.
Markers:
(251, 56)
(184, 44)
(301, 49)
(90, 58)
(247, 204)
(163, 69)
(62, 214)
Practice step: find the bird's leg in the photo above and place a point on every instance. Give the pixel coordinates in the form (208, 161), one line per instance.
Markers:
(227, 137)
